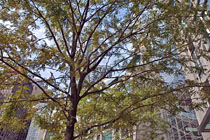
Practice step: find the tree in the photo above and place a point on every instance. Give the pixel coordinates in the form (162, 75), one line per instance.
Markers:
(135, 41)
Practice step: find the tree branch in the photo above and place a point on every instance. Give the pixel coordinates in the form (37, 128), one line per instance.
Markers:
(48, 26)
(42, 89)
(25, 68)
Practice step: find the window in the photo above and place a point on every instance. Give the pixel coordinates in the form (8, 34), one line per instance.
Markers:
(191, 48)
(180, 125)
(98, 137)
(207, 44)
(196, 133)
(183, 138)
(173, 122)
(189, 138)
(206, 88)
(107, 135)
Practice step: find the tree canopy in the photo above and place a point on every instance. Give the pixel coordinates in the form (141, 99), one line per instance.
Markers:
(104, 62)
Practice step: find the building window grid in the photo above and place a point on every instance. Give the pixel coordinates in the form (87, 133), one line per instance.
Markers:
(180, 134)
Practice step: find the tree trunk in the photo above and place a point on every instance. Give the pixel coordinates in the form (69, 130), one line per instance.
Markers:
(74, 99)
(69, 134)
(70, 124)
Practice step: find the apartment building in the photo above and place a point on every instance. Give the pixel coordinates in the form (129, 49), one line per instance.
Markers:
(8, 134)
(202, 75)
(34, 131)
(30, 129)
